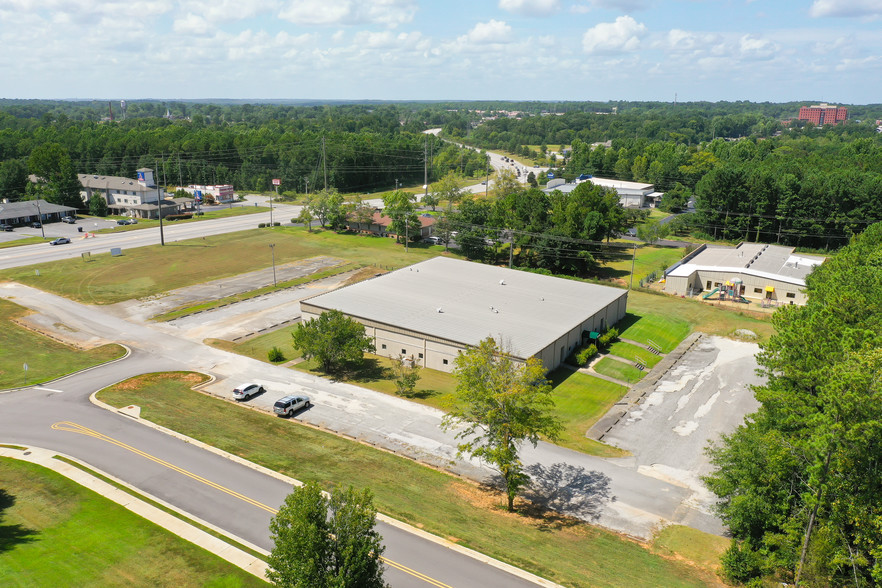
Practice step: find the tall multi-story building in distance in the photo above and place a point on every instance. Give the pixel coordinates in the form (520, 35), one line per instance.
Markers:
(823, 114)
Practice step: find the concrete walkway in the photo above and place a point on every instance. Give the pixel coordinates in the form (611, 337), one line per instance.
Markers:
(179, 527)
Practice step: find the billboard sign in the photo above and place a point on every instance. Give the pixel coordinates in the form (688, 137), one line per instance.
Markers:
(141, 177)
(198, 195)
(277, 182)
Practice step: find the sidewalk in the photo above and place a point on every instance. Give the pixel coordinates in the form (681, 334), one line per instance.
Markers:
(183, 529)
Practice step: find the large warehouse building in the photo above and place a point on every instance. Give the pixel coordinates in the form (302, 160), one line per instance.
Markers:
(436, 308)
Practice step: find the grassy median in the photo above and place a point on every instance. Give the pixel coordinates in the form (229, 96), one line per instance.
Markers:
(561, 549)
(46, 358)
(54, 532)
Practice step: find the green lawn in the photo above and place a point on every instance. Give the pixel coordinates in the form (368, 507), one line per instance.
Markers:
(24, 241)
(46, 358)
(54, 532)
(560, 549)
(579, 400)
(618, 370)
(666, 331)
(649, 259)
(634, 353)
(146, 271)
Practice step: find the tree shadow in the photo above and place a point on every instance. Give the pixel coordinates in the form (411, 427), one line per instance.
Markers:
(569, 490)
(367, 370)
(12, 535)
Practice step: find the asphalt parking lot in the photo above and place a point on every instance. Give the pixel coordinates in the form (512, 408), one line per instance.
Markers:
(705, 394)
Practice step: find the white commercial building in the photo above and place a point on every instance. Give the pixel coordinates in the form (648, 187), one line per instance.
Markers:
(631, 194)
(437, 308)
(769, 274)
(124, 195)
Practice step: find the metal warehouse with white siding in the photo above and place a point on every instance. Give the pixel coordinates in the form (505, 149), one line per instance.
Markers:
(437, 308)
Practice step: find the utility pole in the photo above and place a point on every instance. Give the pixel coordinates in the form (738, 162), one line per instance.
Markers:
(633, 259)
(40, 218)
(159, 203)
(325, 162)
(307, 185)
(487, 182)
(426, 167)
(510, 248)
(273, 249)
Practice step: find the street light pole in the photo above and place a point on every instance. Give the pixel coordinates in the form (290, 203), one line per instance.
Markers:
(273, 249)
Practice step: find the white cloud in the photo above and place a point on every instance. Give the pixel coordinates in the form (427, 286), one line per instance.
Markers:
(530, 7)
(680, 41)
(349, 12)
(846, 8)
(607, 37)
(626, 6)
(493, 31)
(755, 48)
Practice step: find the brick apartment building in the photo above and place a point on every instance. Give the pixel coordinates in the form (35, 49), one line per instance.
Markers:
(823, 114)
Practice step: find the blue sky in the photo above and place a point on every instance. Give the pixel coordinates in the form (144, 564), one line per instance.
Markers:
(757, 50)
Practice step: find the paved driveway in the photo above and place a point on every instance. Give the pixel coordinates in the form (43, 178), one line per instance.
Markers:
(705, 394)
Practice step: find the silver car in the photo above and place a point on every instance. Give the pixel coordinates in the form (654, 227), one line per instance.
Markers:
(246, 391)
(290, 404)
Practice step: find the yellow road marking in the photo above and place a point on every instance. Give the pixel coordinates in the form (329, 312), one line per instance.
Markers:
(80, 429)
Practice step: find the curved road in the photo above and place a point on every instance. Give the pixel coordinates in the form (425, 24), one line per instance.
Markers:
(231, 496)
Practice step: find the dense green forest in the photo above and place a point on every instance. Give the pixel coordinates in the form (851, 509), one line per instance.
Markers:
(349, 148)
(799, 482)
(751, 176)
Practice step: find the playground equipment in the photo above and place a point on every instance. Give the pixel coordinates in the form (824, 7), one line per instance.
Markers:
(731, 290)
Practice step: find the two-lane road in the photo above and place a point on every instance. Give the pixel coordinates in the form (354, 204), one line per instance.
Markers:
(232, 496)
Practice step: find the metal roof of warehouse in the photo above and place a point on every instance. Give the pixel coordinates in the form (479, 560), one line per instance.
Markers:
(523, 311)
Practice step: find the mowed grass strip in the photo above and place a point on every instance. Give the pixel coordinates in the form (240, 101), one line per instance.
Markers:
(560, 549)
(618, 370)
(579, 400)
(652, 328)
(634, 353)
(57, 533)
(151, 270)
(46, 358)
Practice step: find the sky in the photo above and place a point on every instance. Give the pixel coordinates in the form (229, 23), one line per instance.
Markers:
(660, 50)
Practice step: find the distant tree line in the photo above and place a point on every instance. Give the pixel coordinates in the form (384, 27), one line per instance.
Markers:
(349, 148)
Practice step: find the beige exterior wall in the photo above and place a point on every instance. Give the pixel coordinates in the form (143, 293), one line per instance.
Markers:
(754, 287)
(439, 354)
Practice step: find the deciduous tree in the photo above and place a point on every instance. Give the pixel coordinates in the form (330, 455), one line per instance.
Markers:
(500, 403)
(326, 542)
(333, 339)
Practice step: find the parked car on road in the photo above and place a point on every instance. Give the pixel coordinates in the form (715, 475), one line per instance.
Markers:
(36, 225)
(59, 241)
(290, 404)
(246, 391)
(127, 221)
(68, 219)
(5, 227)
(433, 240)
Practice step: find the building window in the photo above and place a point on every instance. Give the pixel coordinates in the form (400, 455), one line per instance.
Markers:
(708, 284)
(757, 290)
(791, 295)
(404, 352)
(383, 346)
(444, 361)
(421, 355)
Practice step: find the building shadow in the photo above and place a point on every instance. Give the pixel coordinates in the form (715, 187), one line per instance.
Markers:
(15, 534)
(569, 490)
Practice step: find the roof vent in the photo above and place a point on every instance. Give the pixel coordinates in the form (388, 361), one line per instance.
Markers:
(440, 310)
(502, 282)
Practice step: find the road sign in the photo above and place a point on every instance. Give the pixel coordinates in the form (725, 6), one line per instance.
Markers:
(25, 366)
(277, 182)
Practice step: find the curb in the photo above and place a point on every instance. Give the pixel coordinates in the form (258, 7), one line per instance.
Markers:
(181, 528)
(59, 378)
(485, 559)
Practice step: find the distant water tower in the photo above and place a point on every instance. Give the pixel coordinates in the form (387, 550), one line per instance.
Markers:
(122, 106)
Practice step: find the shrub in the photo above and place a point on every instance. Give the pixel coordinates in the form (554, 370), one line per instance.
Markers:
(261, 225)
(606, 339)
(277, 224)
(586, 353)
(740, 563)
(275, 355)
